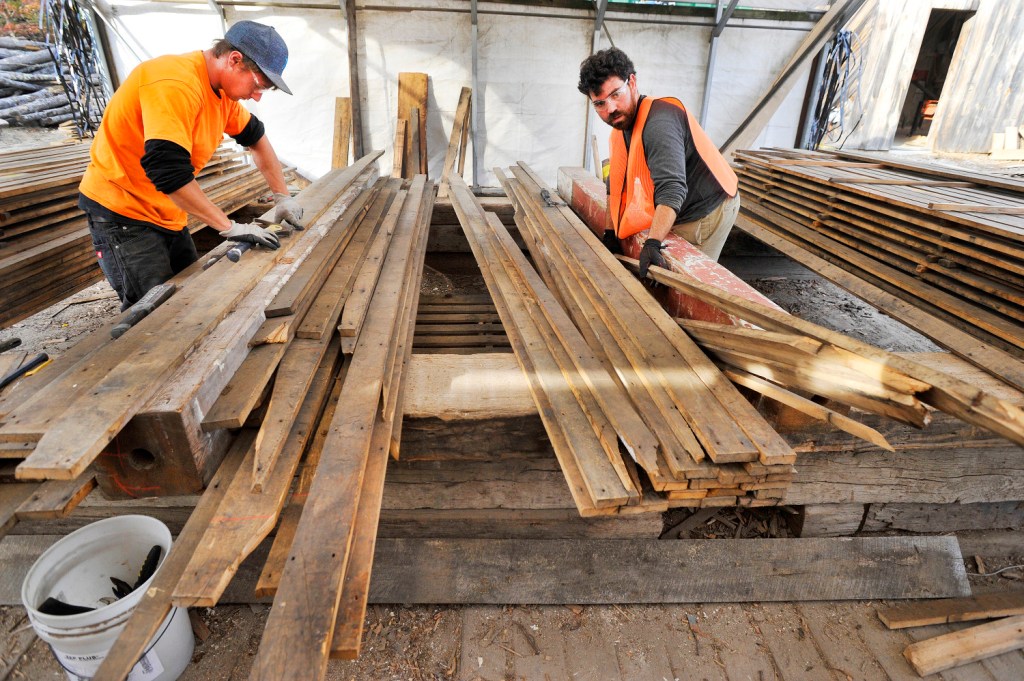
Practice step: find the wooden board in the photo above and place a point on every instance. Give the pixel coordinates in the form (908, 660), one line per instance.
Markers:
(684, 571)
(412, 95)
(968, 645)
(944, 611)
(342, 132)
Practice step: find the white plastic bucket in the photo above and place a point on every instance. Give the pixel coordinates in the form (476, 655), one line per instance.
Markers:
(77, 570)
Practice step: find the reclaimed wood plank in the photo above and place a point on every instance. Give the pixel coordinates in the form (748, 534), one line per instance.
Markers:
(683, 571)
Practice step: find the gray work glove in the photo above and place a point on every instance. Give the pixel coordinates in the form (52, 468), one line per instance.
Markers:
(252, 234)
(287, 209)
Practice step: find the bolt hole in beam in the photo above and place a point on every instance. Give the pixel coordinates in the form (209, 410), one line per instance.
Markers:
(142, 459)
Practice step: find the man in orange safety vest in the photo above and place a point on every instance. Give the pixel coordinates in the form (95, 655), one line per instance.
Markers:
(666, 173)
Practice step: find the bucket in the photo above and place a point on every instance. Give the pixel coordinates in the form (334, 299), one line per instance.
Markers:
(77, 570)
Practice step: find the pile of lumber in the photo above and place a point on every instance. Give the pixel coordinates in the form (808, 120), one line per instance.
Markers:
(30, 89)
(270, 346)
(945, 256)
(607, 365)
(46, 252)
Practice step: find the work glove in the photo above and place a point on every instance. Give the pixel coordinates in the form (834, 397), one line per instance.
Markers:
(252, 234)
(650, 254)
(611, 242)
(287, 209)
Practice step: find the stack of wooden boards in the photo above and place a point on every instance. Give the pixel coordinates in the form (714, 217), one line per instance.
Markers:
(45, 250)
(932, 653)
(945, 256)
(606, 364)
(329, 319)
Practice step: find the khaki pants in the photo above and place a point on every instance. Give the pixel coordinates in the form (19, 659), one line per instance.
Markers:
(710, 232)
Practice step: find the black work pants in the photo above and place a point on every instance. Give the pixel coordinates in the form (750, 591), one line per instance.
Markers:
(135, 258)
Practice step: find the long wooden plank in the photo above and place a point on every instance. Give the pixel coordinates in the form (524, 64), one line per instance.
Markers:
(809, 407)
(79, 371)
(298, 292)
(362, 289)
(682, 453)
(968, 645)
(334, 296)
(684, 571)
(890, 161)
(297, 639)
(71, 441)
(299, 368)
(946, 611)
(156, 603)
(244, 390)
(243, 517)
(270, 576)
(609, 395)
(342, 132)
(459, 122)
(347, 637)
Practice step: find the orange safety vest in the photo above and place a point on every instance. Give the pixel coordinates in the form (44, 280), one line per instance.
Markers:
(630, 175)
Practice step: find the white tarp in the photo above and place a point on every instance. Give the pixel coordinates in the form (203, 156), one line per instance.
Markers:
(529, 57)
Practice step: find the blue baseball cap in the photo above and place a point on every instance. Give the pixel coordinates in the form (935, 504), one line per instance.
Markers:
(263, 45)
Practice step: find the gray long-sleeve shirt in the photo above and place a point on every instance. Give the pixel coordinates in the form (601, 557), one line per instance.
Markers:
(682, 181)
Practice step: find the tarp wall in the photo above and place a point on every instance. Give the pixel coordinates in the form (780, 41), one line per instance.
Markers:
(528, 70)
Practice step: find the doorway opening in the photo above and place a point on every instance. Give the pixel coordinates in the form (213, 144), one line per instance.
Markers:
(939, 42)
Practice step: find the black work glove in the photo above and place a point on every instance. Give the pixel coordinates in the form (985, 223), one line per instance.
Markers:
(650, 254)
(611, 242)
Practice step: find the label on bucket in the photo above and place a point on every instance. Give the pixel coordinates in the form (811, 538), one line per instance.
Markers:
(83, 667)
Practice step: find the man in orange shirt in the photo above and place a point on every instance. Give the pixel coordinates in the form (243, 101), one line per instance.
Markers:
(159, 130)
(666, 173)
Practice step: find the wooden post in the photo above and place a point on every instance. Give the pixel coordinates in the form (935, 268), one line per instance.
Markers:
(342, 132)
(353, 79)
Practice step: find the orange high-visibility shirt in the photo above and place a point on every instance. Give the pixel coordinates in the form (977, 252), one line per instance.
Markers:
(167, 98)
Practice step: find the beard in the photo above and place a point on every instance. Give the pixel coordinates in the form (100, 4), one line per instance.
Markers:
(622, 120)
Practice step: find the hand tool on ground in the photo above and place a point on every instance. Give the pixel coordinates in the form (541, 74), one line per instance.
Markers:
(236, 251)
(28, 366)
(141, 309)
(9, 343)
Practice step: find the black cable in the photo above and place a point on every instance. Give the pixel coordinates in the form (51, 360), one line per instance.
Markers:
(840, 63)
